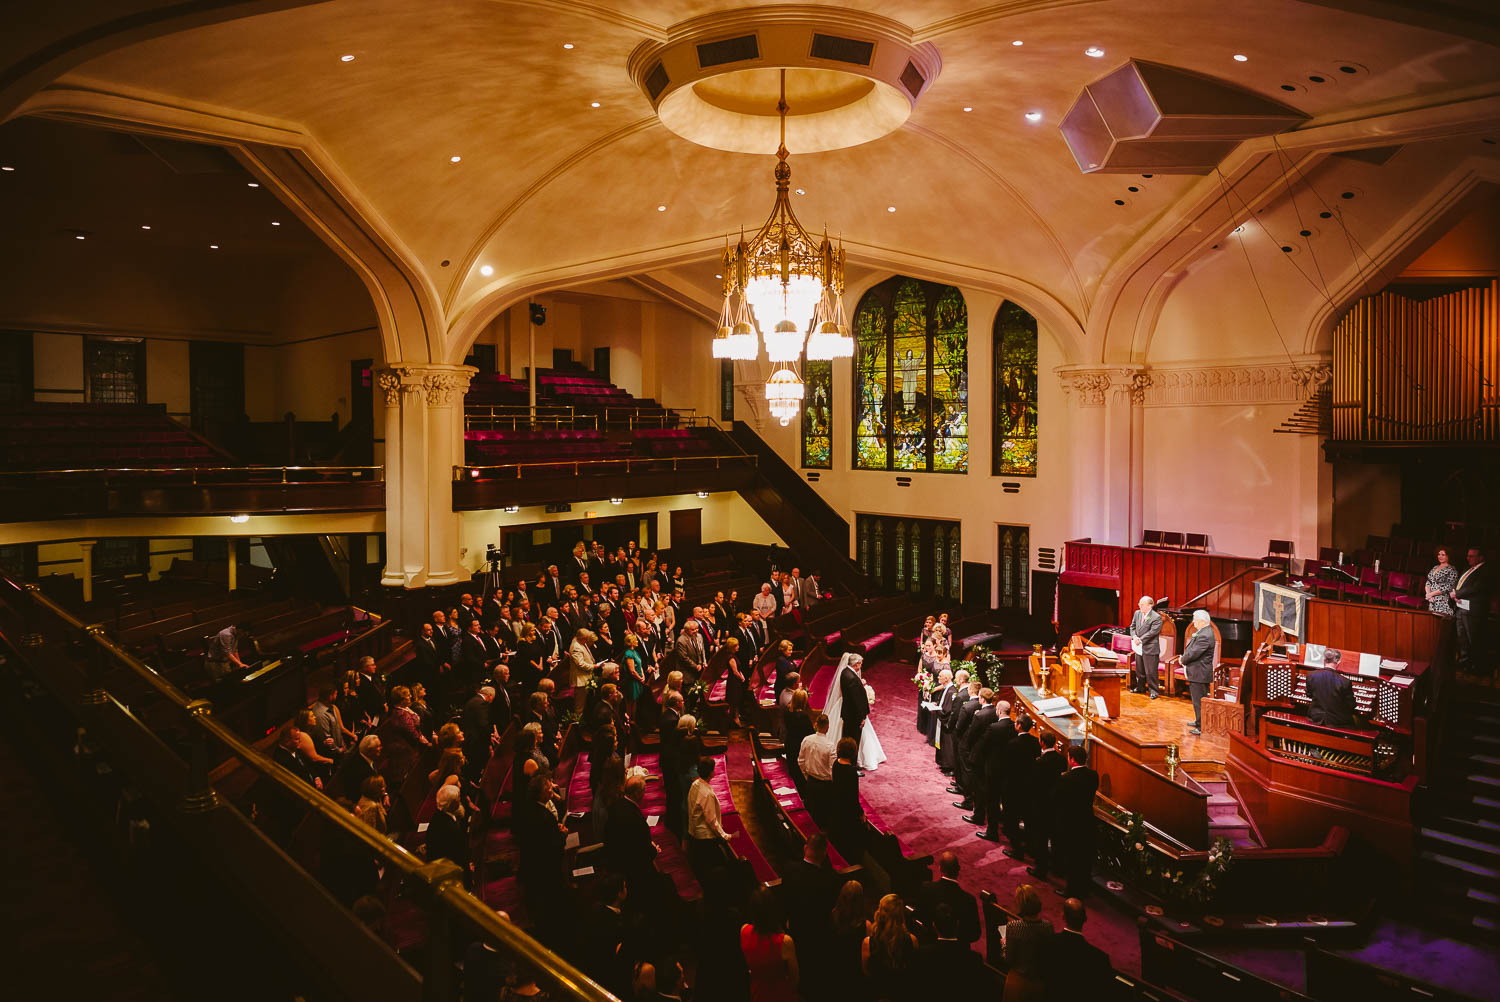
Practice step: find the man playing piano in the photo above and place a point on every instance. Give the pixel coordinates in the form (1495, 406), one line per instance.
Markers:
(1332, 697)
(1145, 644)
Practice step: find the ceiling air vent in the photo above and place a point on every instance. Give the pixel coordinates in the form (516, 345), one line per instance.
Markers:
(728, 50)
(657, 80)
(842, 50)
(912, 79)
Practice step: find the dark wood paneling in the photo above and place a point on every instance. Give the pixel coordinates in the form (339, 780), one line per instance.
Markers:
(1390, 631)
(1181, 576)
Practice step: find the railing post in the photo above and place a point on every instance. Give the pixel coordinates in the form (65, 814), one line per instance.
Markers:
(93, 693)
(201, 797)
(437, 978)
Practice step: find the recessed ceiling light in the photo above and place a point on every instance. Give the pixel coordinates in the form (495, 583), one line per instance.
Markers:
(802, 191)
(455, 159)
(1094, 51)
(275, 223)
(7, 167)
(1033, 116)
(213, 246)
(1018, 42)
(347, 57)
(593, 104)
(890, 208)
(239, 519)
(486, 270)
(661, 208)
(616, 500)
(252, 184)
(1240, 57)
(718, 276)
(79, 236)
(968, 107)
(144, 226)
(567, 45)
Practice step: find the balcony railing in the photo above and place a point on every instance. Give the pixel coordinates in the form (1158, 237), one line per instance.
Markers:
(624, 465)
(482, 417)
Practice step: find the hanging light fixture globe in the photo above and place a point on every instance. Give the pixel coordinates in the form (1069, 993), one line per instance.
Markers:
(784, 392)
(788, 287)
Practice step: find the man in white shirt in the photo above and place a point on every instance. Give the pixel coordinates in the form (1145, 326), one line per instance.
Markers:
(704, 829)
(764, 602)
(815, 760)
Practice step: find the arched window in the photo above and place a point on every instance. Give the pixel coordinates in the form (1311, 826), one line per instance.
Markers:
(817, 415)
(911, 365)
(1014, 452)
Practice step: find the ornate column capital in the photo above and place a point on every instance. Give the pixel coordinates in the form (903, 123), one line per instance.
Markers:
(1091, 385)
(440, 384)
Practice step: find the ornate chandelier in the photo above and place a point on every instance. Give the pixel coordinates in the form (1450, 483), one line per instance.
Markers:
(787, 287)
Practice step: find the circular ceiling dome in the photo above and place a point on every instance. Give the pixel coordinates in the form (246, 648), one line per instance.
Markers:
(850, 78)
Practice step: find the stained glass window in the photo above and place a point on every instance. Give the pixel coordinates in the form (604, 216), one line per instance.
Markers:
(900, 556)
(880, 552)
(955, 567)
(817, 415)
(864, 545)
(911, 363)
(939, 579)
(916, 558)
(1015, 393)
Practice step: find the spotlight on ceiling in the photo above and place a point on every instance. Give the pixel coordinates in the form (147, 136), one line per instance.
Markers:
(455, 159)
(486, 270)
(661, 208)
(1033, 116)
(567, 45)
(968, 107)
(7, 167)
(145, 227)
(616, 500)
(213, 246)
(275, 223)
(1094, 52)
(239, 519)
(1018, 42)
(802, 191)
(1240, 57)
(890, 208)
(347, 57)
(703, 494)
(80, 236)
(593, 104)
(511, 509)
(252, 184)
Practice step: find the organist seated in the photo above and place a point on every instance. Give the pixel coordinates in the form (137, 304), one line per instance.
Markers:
(1332, 697)
(223, 657)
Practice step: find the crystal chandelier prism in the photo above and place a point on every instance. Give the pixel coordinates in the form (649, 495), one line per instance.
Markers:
(788, 288)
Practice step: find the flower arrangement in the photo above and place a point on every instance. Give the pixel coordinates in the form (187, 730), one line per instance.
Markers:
(695, 698)
(1129, 855)
(923, 680)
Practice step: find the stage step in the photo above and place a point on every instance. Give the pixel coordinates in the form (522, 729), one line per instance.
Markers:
(1221, 805)
(1476, 849)
(1473, 871)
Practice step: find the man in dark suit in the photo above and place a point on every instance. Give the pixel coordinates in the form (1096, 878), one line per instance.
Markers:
(501, 710)
(968, 750)
(961, 721)
(1332, 698)
(550, 590)
(950, 960)
(474, 721)
(1015, 782)
(1073, 834)
(448, 832)
(1471, 606)
(989, 756)
(472, 655)
(855, 708)
(1072, 967)
(431, 665)
(1145, 635)
(628, 849)
(603, 933)
(371, 689)
(808, 890)
(360, 766)
(946, 892)
(1049, 765)
(1198, 665)
(670, 745)
(949, 700)
(466, 611)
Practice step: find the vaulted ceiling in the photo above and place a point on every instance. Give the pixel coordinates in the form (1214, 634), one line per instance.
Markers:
(566, 175)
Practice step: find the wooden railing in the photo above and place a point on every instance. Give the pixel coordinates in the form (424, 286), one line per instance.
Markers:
(70, 660)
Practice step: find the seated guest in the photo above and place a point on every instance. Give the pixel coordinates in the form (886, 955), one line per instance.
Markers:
(1072, 967)
(889, 952)
(770, 953)
(448, 831)
(962, 967)
(1332, 698)
(1025, 940)
(945, 892)
(846, 815)
(373, 804)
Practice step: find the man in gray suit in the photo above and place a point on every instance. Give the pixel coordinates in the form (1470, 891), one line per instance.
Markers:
(1145, 636)
(1198, 663)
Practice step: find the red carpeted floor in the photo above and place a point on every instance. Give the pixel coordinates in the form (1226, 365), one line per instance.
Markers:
(909, 792)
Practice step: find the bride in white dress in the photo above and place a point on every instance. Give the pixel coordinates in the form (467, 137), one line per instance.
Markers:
(870, 752)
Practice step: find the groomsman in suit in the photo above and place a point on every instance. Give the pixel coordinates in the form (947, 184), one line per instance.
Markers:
(1073, 835)
(1049, 765)
(1471, 603)
(961, 721)
(952, 701)
(968, 750)
(1145, 643)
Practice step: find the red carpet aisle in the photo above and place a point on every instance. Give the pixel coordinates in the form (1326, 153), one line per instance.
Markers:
(909, 793)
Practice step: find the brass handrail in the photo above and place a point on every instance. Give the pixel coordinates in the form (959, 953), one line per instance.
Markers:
(476, 472)
(378, 471)
(444, 881)
(1272, 572)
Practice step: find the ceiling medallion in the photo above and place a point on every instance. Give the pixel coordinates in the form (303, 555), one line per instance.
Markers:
(779, 283)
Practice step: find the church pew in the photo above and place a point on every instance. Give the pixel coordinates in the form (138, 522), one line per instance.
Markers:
(1169, 963)
(796, 820)
(671, 860)
(907, 869)
(741, 845)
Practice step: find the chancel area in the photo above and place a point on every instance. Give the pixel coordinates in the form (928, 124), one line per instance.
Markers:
(637, 502)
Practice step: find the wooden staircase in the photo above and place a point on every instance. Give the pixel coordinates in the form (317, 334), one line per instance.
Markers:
(1226, 818)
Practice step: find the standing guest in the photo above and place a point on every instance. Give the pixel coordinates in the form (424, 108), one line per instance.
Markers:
(705, 831)
(796, 725)
(764, 602)
(1072, 967)
(670, 744)
(816, 754)
(373, 803)
(581, 655)
(789, 599)
(1471, 596)
(540, 834)
(847, 816)
(945, 892)
(478, 732)
(786, 670)
(812, 591)
(1145, 644)
(849, 926)
(1026, 939)
(678, 580)
(1073, 834)
(305, 725)
(578, 564)
(808, 890)
(1198, 664)
(633, 672)
(448, 832)
(473, 655)
(628, 849)
(689, 648)
(330, 734)
(963, 969)
(736, 687)
(1441, 581)
(360, 767)
(770, 953)
(501, 710)
(889, 953)
(1049, 765)
(530, 762)
(419, 706)
(466, 612)
(430, 666)
(371, 691)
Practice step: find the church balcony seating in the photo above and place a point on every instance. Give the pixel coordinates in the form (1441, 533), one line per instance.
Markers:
(98, 437)
(1197, 542)
(1172, 540)
(1152, 539)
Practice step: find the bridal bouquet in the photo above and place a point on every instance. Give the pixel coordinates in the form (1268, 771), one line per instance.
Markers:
(870, 694)
(923, 680)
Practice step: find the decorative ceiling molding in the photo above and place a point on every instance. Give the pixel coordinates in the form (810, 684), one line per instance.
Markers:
(994, 12)
(1280, 382)
(598, 12)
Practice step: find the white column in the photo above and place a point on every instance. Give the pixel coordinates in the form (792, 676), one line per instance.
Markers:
(424, 436)
(531, 360)
(88, 569)
(1109, 491)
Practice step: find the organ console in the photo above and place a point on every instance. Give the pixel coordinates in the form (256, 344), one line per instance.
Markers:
(1385, 704)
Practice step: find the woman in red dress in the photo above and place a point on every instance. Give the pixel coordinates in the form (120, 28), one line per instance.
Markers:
(769, 952)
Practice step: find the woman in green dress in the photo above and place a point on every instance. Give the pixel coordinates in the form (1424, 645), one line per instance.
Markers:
(633, 670)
